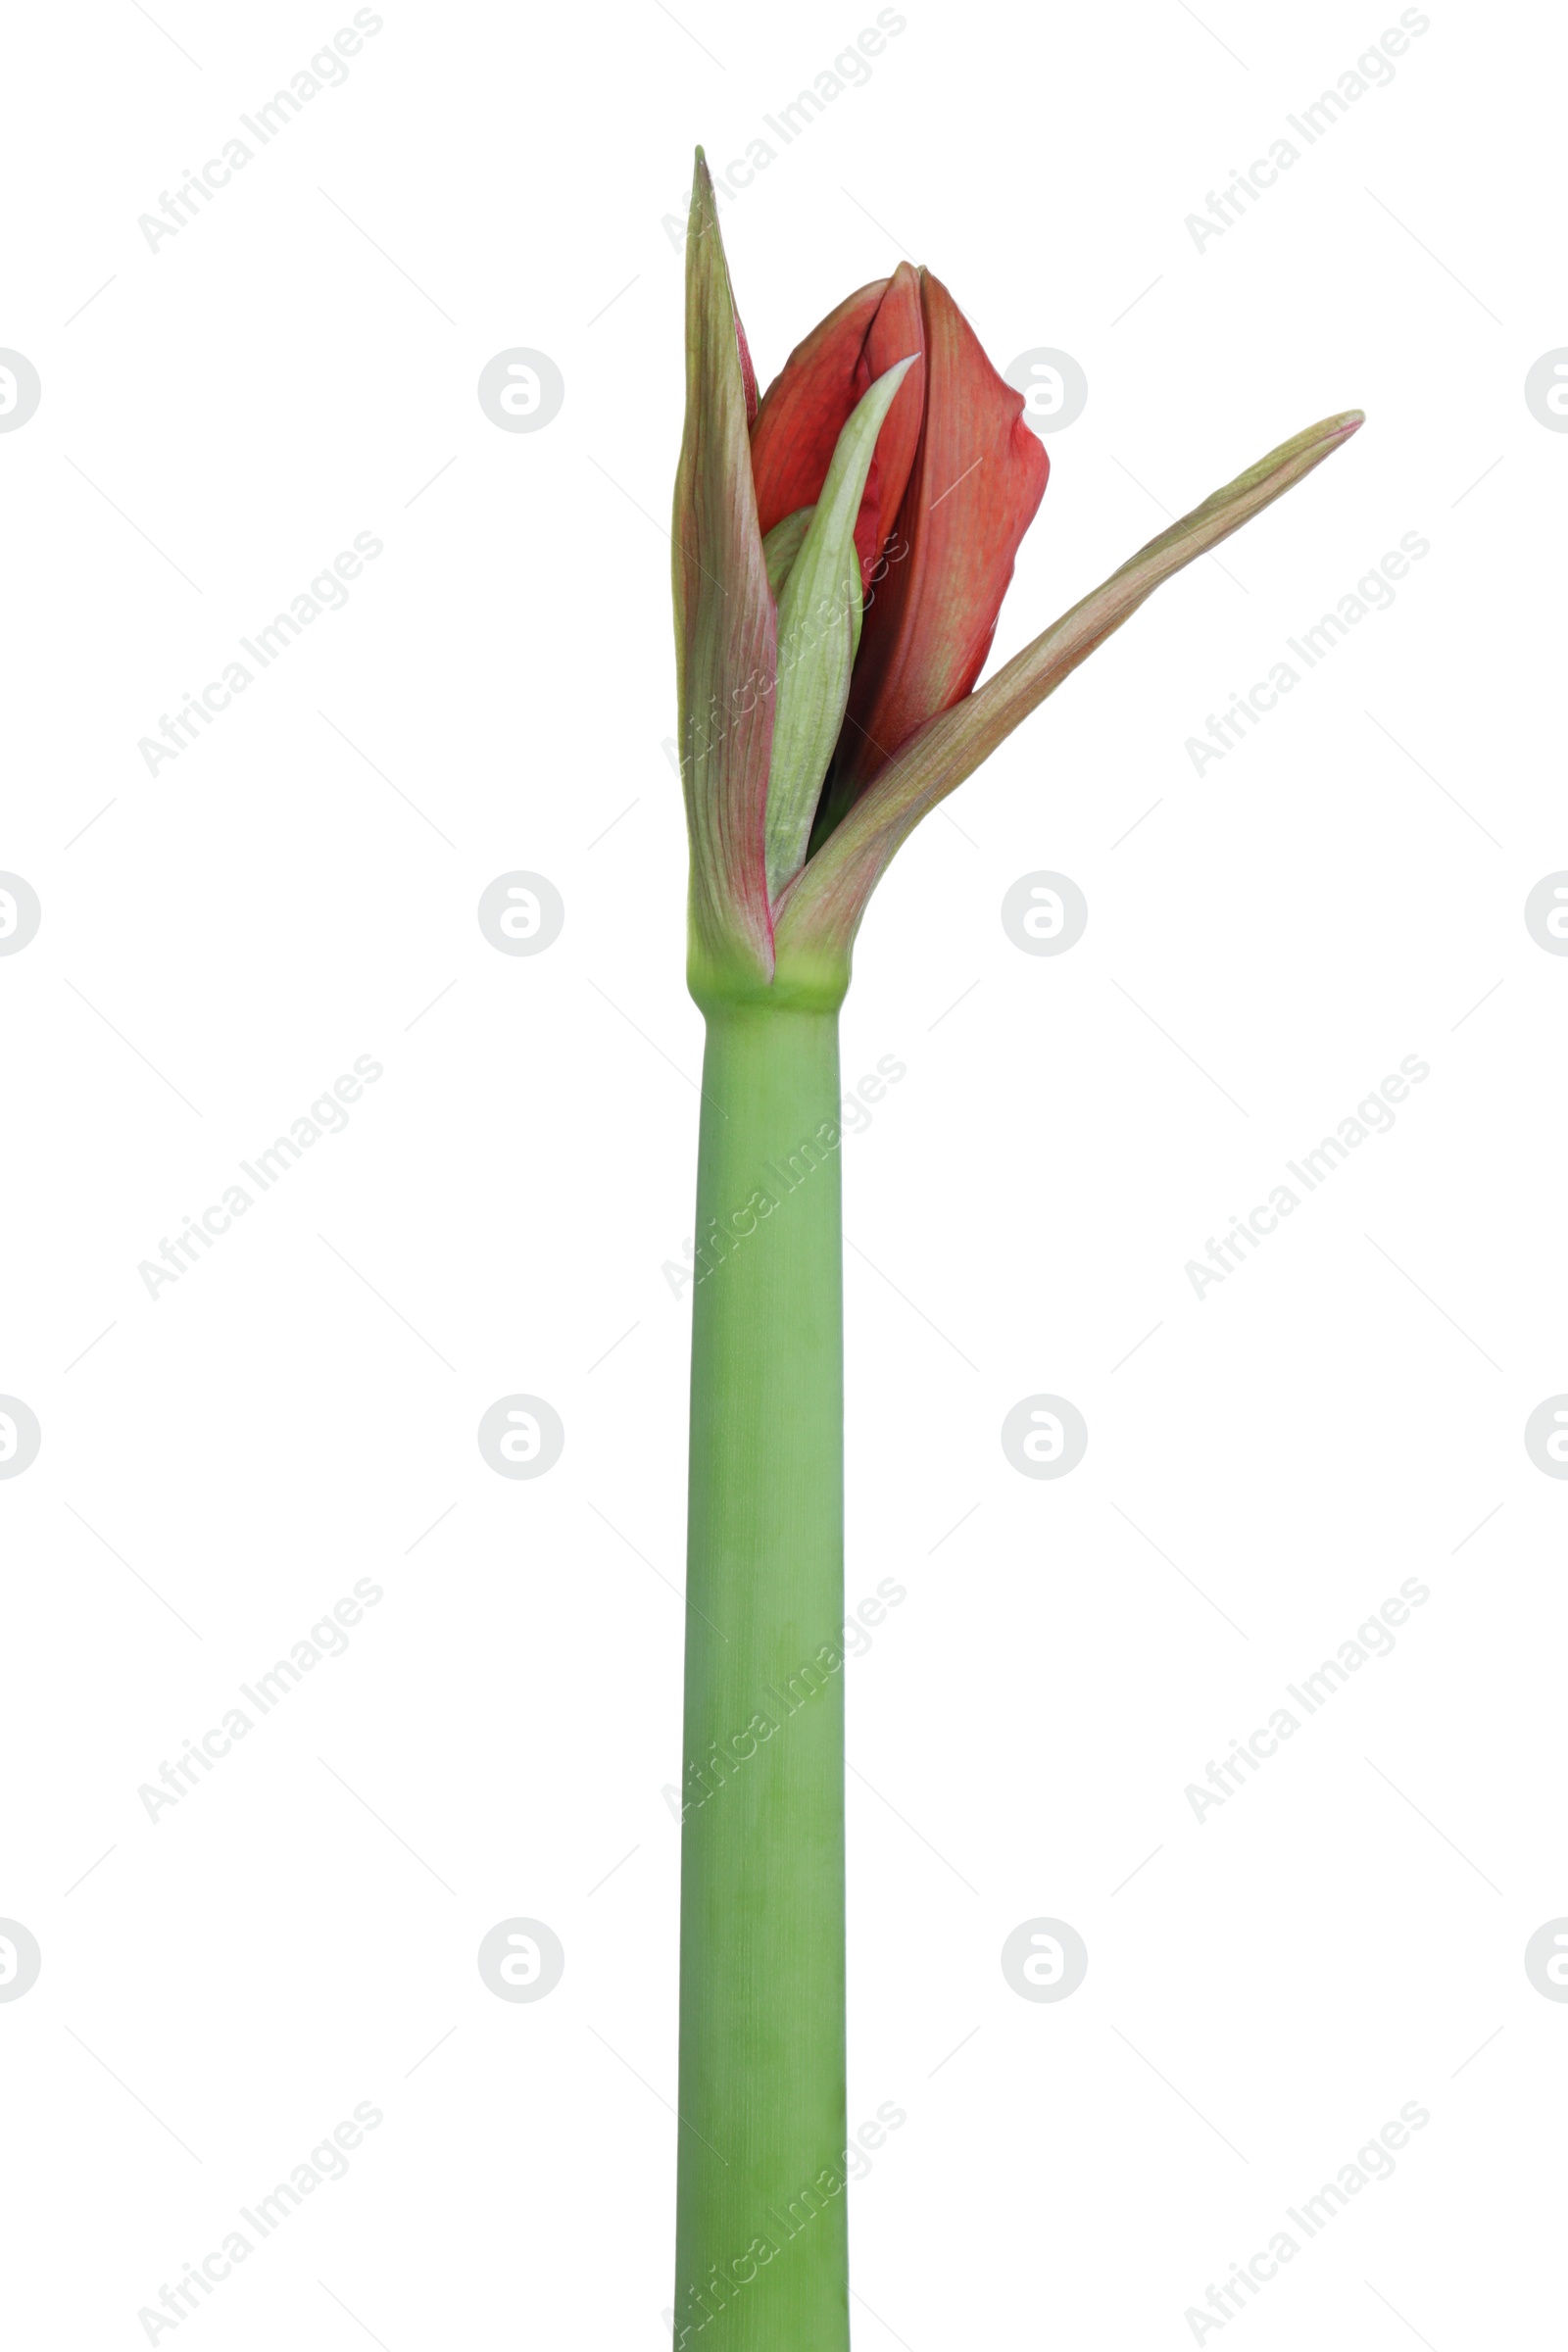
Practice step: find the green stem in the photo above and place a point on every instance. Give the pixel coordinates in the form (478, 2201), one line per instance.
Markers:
(761, 2248)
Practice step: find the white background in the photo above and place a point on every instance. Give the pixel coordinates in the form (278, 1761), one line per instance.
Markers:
(298, 365)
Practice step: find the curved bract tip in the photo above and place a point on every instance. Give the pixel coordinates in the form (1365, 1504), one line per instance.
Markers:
(819, 914)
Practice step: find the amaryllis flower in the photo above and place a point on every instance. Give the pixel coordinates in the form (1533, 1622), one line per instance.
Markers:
(842, 551)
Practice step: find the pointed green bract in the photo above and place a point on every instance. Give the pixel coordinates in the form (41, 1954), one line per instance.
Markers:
(820, 611)
(725, 632)
(819, 912)
(783, 544)
(780, 548)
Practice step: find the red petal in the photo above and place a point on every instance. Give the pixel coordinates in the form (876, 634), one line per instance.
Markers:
(979, 475)
(897, 330)
(807, 404)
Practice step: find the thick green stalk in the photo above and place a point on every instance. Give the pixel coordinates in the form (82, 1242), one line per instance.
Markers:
(761, 2250)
